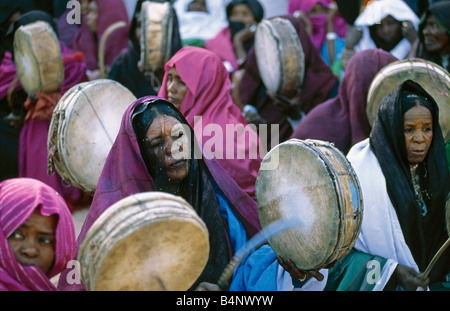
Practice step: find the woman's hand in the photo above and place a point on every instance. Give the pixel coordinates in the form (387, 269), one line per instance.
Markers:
(332, 10)
(409, 32)
(289, 105)
(354, 35)
(289, 266)
(208, 287)
(409, 279)
(303, 17)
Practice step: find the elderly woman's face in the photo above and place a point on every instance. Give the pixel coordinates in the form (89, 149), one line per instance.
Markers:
(33, 243)
(436, 39)
(389, 29)
(418, 130)
(169, 140)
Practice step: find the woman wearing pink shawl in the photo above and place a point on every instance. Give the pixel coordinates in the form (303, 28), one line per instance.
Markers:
(325, 25)
(33, 135)
(129, 170)
(342, 120)
(20, 198)
(209, 97)
(101, 15)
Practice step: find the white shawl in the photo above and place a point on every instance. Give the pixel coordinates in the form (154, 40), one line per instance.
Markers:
(378, 10)
(381, 233)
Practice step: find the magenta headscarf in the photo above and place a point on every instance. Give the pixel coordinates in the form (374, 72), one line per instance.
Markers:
(343, 119)
(209, 97)
(19, 197)
(109, 12)
(222, 45)
(125, 173)
(319, 22)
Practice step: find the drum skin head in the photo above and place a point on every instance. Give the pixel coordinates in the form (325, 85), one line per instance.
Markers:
(156, 35)
(303, 187)
(163, 255)
(83, 128)
(279, 56)
(432, 77)
(151, 241)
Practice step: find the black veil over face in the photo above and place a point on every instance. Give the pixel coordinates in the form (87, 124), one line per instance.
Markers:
(423, 234)
(197, 188)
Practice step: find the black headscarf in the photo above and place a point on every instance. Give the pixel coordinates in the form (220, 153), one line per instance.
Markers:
(197, 188)
(125, 70)
(25, 19)
(235, 26)
(254, 5)
(424, 235)
(442, 12)
(7, 9)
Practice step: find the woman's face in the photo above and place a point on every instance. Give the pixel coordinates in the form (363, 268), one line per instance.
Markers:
(317, 9)
(92, 16)
(389, 29)
(436, 39)
(170, 141)
(242, 13)
(33, 243)
(418, 130)
(176, 88)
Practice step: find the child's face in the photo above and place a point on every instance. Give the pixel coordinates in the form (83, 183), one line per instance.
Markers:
(33, 243)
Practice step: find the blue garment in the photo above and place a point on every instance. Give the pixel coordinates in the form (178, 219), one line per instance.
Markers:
(238, 234)
(339, 45)
(258, 272)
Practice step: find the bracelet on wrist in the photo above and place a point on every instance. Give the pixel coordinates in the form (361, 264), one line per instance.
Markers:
(331, 36)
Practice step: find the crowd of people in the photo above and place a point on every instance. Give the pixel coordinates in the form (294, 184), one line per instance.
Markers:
(176, 136)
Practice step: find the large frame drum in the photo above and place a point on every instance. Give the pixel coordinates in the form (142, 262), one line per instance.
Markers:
(147, 241)
(432, 77)
(37, 56)
(156, 35)
(279, 56)
(315, 184)
(84, 125)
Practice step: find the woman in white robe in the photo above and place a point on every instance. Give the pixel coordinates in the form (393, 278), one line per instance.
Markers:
(404, 197)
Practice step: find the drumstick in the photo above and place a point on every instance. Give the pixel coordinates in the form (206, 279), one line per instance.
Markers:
(257, 240)
(101, 49)
(427, 271)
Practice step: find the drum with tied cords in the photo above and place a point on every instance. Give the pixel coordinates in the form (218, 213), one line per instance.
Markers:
(314, 183)
(84, 126)
(156, 19)
(150, 241)
(432, 77)
(37, 57)
(279, 56)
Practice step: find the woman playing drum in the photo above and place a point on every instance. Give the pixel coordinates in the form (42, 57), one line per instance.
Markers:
(154, 151)
(33, 136)
(405, 181)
